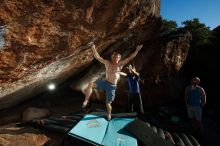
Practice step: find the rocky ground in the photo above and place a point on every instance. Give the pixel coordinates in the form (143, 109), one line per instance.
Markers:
(63, 102)
(58, 103)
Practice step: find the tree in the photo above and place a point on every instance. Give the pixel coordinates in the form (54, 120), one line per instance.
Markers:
(201, 34)
(216, 33)
(169, 25)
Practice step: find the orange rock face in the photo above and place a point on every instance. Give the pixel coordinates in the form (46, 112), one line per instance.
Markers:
(46, 41)
(11, 135)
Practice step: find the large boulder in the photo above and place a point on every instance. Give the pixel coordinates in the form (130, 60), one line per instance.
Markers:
(33, 113)
(11, 135)
(43, 41)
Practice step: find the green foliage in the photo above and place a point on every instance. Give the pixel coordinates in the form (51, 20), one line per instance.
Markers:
(216, 34)
(217, 31)
(169, 25)
(201, 34)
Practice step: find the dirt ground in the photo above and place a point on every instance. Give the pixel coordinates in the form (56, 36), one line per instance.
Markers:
(61, 102)
(64, 102)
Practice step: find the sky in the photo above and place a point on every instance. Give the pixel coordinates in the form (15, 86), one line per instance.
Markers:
(208, 11)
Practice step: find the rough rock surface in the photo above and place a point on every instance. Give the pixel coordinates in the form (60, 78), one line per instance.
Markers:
(11, 135)
(46, 41)
(160, 81)
(32, 113)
